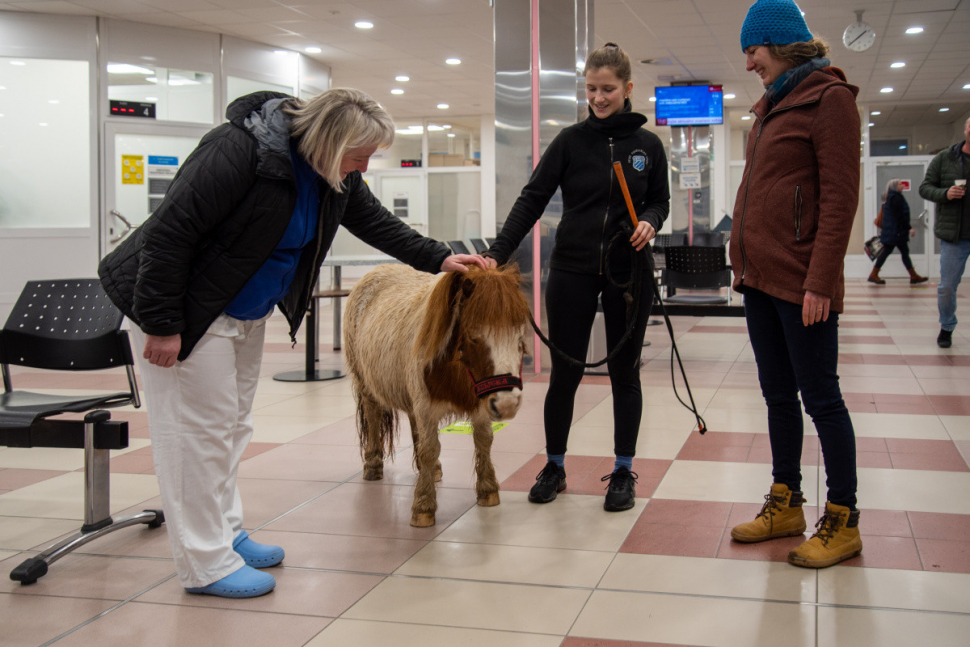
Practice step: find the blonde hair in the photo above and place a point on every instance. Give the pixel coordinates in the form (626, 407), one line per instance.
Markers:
(891, 185)
(333, 122)
(801, 52)
(610, 56)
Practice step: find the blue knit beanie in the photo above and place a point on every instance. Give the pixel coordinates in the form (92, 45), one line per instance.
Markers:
(774, 22)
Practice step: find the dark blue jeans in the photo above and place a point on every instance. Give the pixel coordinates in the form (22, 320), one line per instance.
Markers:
(793, 359)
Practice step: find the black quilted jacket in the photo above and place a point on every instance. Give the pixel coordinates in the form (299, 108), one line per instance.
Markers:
(226, 211)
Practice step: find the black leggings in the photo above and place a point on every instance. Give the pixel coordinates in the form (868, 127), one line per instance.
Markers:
(571, 307)
(888, 249)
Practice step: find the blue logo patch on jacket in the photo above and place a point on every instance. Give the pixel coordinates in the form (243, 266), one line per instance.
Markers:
(639, 162)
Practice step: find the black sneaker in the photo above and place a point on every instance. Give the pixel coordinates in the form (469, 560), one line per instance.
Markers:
(621, 492)
(945, 340)
(550, 482)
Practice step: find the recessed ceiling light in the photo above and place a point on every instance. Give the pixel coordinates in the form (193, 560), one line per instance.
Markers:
(875, 112)
(434, 128)
(914, 30)
(397, 91)
(151, 98)
(443, 106)
(726, 96)
(403, 78)
(56, 101)
(886, 90)
(17, 63)
(280, 51)
(746, 118)
(453, 61)
(451, 134)
(944, 110)
(652, 99)
(43, 123)
(871, 124)
(447, 126)
(151, 79)
(2, 87)
(364, 24)
(313, 50)
(967, 86)
(898, 64)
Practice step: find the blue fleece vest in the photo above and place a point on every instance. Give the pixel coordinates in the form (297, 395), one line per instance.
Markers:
(272, 281)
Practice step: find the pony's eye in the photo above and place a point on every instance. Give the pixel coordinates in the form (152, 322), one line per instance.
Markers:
(474, 340)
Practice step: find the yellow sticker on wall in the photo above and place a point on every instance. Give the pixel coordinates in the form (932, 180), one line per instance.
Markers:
(462, 427)
(132, 169)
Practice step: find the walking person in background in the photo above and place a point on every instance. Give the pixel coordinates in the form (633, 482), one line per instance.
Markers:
(895, 232)
(792, 222)
(946, 185)
(580, 161)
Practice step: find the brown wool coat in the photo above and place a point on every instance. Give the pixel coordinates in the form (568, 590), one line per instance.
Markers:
(799, 192)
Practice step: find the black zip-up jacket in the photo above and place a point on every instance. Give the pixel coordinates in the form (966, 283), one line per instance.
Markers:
(223, 216)
(580, 160)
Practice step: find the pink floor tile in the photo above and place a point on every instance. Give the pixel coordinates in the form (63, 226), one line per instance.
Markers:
(886, 552)
(871, 445)
(862, 324)
(885, 523)
(15, 478)
(721, 453)
(873, 459)
(932, 462)
(669, 539)
(935, 525)
(944, 556)
(951, 405)
(889, 360)
(686, 513)
(915, 409)
(775, 550)
(572, 641)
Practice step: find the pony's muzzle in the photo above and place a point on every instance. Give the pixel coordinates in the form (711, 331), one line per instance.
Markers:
(503, 405)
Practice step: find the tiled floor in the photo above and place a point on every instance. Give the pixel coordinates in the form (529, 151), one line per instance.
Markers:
(566, 574)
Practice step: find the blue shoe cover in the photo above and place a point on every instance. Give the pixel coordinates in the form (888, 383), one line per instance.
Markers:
(247, 582)
(255, 554)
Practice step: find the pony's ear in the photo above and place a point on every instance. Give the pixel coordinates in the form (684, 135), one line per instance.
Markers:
(440, 315)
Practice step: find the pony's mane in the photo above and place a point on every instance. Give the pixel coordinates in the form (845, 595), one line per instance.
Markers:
(496, 300)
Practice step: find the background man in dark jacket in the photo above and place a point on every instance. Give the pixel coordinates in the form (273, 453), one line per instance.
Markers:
(946, 185)
(244, 228)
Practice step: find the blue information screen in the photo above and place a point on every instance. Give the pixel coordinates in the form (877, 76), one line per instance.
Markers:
(689, 105)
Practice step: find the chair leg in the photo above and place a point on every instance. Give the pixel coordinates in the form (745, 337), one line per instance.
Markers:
(97, 509)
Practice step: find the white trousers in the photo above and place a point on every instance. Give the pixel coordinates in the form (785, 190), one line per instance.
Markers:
(200, 421)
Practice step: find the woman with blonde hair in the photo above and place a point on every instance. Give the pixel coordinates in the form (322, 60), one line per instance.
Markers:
(792, 221)
(243, 230)
(895, 232)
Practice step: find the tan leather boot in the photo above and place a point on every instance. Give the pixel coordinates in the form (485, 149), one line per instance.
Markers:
(781, 516)
(874, 277)
(916, 278)
(836, 539)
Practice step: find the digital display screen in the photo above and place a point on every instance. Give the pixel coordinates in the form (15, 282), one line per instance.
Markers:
(689, 105)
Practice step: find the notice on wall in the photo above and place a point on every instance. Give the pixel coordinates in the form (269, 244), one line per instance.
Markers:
(132, 169)
(162, 165)
(905, 185)
(690, 180)
(690, 165)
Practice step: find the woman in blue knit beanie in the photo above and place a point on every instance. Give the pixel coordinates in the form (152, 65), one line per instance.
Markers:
(792, 220)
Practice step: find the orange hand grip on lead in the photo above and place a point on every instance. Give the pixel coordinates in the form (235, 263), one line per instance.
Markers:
(626, 193)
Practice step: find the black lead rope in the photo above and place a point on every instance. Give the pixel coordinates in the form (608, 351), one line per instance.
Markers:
(632, 310)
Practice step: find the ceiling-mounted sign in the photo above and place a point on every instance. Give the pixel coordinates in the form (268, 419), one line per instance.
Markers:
(131, 109)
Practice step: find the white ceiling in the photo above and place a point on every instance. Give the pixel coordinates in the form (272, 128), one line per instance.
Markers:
(698, 37)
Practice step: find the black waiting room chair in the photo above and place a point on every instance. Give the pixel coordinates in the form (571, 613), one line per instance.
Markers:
(458, 247)
(696, 268)
(479, 244)
(69, 325)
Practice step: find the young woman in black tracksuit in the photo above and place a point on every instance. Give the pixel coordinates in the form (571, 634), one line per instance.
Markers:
(580, 162)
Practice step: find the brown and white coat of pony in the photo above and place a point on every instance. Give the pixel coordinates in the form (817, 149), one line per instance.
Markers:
(413, 341)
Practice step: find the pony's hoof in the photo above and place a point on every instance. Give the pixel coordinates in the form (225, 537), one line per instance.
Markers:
(374, 473)
(422, 519)
(489, 500)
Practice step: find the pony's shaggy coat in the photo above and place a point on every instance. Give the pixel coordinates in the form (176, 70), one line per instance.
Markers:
(415, 342)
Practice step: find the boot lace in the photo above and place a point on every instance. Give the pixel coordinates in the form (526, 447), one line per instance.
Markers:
(549, 474)
(770, 508)
(826, 527)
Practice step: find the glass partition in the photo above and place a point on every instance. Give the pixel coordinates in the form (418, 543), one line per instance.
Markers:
(45, 143)
(178, 95)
